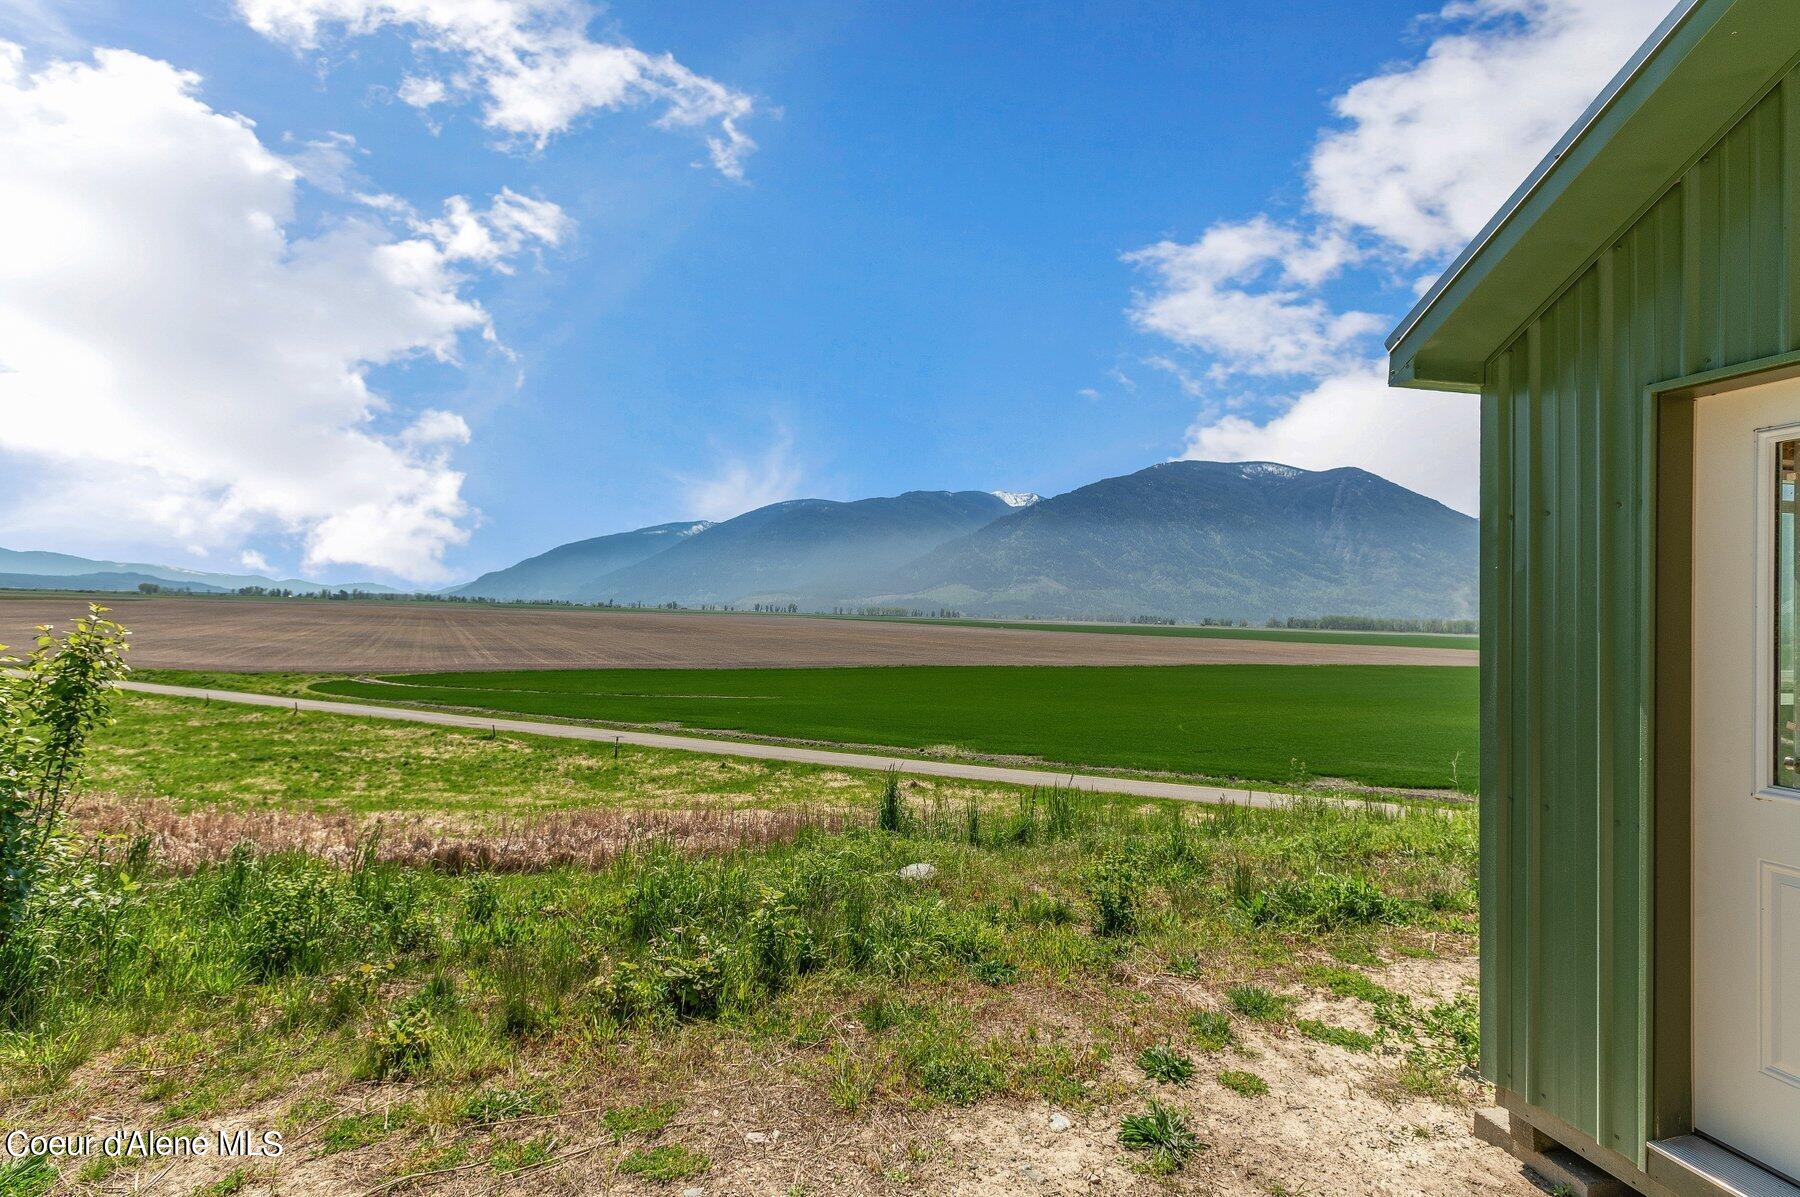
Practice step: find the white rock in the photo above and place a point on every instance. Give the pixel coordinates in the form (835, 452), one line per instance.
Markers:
(756, 1138)
(921, 871)
(1060, 1123)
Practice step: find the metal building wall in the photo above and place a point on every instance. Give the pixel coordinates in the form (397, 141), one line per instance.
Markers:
(1706, 278)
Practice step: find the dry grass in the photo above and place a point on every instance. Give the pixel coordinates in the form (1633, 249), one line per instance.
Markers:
(248, 636)
(185, 840)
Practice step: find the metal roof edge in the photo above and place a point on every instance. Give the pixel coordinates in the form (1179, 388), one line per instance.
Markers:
(1613, 93)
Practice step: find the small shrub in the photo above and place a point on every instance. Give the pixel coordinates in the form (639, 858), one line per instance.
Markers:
(400, 1048)
(1115, 885)
(1164, 1063)
(1253, 1001)
(1247, 1084)
(1163, 1133)
(1343, 1037)
(291, 922)
(671, 1161)
(1211, 1030)
(692, 971)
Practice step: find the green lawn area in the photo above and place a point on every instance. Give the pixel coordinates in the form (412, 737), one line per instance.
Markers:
(1377, 725)
(219, 754)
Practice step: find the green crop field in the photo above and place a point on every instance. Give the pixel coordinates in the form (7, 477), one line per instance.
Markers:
(1377, 725)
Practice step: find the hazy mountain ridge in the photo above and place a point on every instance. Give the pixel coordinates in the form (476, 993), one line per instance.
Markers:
(28, 565)
(804, 551)
(1182, 540)
(568, 569)
(1194, 539)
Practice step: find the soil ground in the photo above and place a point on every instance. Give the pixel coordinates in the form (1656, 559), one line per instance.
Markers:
(394, 637)
(1333, 1124)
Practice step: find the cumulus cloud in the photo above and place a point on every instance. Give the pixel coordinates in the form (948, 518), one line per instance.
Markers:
(1242, 293)
(532, 63)
(1420, 156)
(1429, 150)
(1423, 441)
(741, 484)
(176, 350)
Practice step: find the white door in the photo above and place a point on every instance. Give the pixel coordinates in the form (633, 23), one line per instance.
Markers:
(1747, 774)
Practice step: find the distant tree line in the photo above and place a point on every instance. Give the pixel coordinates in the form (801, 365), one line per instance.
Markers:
(1337, 623)
(1371, 623)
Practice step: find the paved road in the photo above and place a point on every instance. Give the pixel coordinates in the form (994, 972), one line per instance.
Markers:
(1096, 783)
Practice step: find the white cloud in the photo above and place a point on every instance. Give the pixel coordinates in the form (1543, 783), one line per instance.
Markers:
(1431, 149)
(531, 61)
(509, 224)
(1424, 154)
(1242, 294)
(175, 351)
(1423, 441)
(255, 562)
(739, 484)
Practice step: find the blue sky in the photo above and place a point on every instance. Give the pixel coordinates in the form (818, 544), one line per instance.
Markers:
(828, 249)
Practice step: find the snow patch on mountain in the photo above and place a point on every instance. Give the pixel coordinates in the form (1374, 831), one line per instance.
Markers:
(1016, 498)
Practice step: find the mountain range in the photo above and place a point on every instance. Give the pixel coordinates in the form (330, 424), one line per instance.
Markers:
(1184, 540)
(38, 570)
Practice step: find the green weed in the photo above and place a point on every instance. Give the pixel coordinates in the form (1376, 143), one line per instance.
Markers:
(1163, 1133)
(670, 1161)
(1247, 1084)
(1253, 1001)
(1164, 1063)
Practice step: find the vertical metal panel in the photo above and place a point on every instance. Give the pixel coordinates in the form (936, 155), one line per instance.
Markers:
(1706, 278)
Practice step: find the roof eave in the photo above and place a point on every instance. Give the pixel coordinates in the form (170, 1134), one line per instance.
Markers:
(1706, 61)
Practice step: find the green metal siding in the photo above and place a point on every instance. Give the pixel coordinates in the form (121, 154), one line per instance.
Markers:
(1706, 278)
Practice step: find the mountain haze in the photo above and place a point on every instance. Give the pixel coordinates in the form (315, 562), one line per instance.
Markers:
(26, 569)
(567, 571)
(1184, 540)
(806, 551)
(1200, 539)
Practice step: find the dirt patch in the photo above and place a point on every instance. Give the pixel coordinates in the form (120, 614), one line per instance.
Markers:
(395, 637)
(1330, 1125)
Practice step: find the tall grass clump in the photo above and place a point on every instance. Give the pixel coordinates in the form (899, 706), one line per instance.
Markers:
(892, 814)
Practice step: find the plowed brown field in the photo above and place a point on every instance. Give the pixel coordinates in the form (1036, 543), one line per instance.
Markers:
(330, 637)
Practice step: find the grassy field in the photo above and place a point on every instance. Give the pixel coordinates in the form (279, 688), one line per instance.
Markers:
(775, 1008)
(200, 755)
(1377, 725)
(1288, 635)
